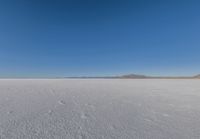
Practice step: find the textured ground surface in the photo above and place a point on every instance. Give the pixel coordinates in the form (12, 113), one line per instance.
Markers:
(99, 109)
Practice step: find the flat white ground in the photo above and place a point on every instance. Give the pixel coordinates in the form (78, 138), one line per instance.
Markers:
(99, 109)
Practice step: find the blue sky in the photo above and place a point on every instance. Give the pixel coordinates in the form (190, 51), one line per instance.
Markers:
(56, 38)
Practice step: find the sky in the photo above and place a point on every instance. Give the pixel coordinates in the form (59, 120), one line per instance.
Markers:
(59, 38)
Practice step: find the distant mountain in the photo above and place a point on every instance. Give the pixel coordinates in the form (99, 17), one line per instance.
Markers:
(138, 76)
(197, 76)
(132, 76)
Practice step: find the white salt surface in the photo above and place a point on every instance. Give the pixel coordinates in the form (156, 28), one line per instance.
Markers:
(99, 109)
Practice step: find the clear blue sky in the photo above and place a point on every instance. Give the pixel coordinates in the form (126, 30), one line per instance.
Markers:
(49, 38)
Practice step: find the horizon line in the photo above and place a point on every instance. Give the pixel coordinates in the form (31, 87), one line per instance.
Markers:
(124, 76)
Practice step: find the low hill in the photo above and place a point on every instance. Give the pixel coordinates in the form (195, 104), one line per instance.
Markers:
(197, 76)
(138, 76)
(134, 76)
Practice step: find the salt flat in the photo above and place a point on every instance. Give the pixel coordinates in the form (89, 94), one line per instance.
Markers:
(99, 109)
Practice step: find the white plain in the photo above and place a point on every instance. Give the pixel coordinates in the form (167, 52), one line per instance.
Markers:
(99, 109)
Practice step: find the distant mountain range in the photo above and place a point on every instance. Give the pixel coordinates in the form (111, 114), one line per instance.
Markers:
(197, 76)
(133, 76)
(170, 77)
(138, 76)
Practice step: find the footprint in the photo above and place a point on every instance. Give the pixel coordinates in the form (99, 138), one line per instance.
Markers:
(10, 112)
(61, 102)
(113, 127)
(79, 128)
(84, 116)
